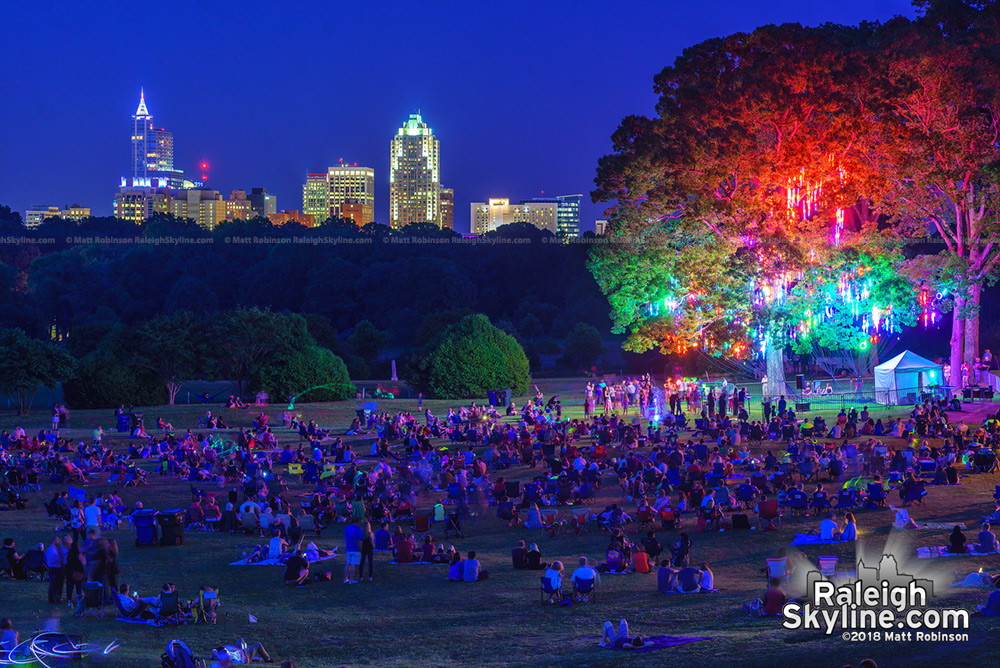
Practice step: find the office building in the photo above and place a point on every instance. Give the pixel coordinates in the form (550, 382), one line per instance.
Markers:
(76, 212)
(238, 206)
(33, 217)
(568, 224)
(352, 193)
(261, 203)
(316, 196)
(283, 217)
(136, 204)
(203, 206)
(447, 197)
(152, 153)
(600, 227)
(144, 151)
(414, 175)
(498, 211)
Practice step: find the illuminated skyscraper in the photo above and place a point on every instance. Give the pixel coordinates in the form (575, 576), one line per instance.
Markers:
(152, 153)
(447, 208)
(144, 153)
(316, 196)
(414, 175)
(237, 206)
(352, 193)
(569, 213)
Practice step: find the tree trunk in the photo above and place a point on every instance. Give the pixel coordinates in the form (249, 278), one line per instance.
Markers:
(775, 358)
(972, 326)
(957, 342)
(173, 387)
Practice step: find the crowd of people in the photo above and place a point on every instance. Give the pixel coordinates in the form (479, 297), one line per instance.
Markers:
(540, 472)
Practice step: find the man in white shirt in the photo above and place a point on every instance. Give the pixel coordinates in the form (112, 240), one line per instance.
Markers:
(92, 516)
(471, 572)
(585, 572)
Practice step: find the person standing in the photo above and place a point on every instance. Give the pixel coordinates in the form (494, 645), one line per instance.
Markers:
(367, 553)
(74, 569)
(352, 538)
(55, 561)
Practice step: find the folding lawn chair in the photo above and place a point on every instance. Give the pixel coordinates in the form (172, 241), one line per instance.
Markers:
(207, 608)
(769, 516)
(550, 520)
(777, 569)
(581, 521)
(170, 609)
(549, 593)
(585, 590)
(421, 526)
(828, 567)
(91, 601)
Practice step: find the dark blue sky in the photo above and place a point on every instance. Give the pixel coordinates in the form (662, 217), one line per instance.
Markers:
(522, 95)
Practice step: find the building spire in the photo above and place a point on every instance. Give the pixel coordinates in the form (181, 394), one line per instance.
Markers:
(141, 111)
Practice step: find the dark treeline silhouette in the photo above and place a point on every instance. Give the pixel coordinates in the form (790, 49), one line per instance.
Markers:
(64, 277)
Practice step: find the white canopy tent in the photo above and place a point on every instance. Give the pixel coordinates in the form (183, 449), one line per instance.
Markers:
(900, 380)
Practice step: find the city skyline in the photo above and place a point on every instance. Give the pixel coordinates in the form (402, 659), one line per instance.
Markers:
(567, 92)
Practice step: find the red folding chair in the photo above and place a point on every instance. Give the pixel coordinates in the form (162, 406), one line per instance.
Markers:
(769, 513)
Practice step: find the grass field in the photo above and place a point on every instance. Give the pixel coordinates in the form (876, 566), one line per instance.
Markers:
(412, 616)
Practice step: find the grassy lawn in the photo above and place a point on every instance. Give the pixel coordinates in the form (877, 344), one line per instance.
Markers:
(412, 616)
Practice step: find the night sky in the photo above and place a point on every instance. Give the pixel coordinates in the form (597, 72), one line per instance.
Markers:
(522, 95)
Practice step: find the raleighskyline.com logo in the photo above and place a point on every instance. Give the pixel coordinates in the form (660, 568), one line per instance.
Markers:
(875, 604)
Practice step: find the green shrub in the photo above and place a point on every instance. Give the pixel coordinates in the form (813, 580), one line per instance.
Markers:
(104, 381)
(470, 358)
(309, 367)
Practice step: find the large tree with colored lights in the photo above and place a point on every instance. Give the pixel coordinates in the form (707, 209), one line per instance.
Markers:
(747, 197)
(934, 106)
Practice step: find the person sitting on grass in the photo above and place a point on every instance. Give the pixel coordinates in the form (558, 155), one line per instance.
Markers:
(651, 545)
(771, 603)
(456, 571)
(986, 541)
(680, 553)
(9, 638)
(296, 569)
(519, 556)
(533, 558)
(850, 531)
(471, 571)
(828, 528)
(277, 548)
(621, 638)
(957, 541)
(689, 580)
(992, 607)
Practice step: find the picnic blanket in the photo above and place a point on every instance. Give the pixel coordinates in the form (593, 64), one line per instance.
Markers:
(700, 591)
(942, 551)
(814, 539)
(275, 562)
(653, 643)
(946, 526)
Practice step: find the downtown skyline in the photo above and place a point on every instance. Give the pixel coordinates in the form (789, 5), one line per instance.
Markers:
(530, 107)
